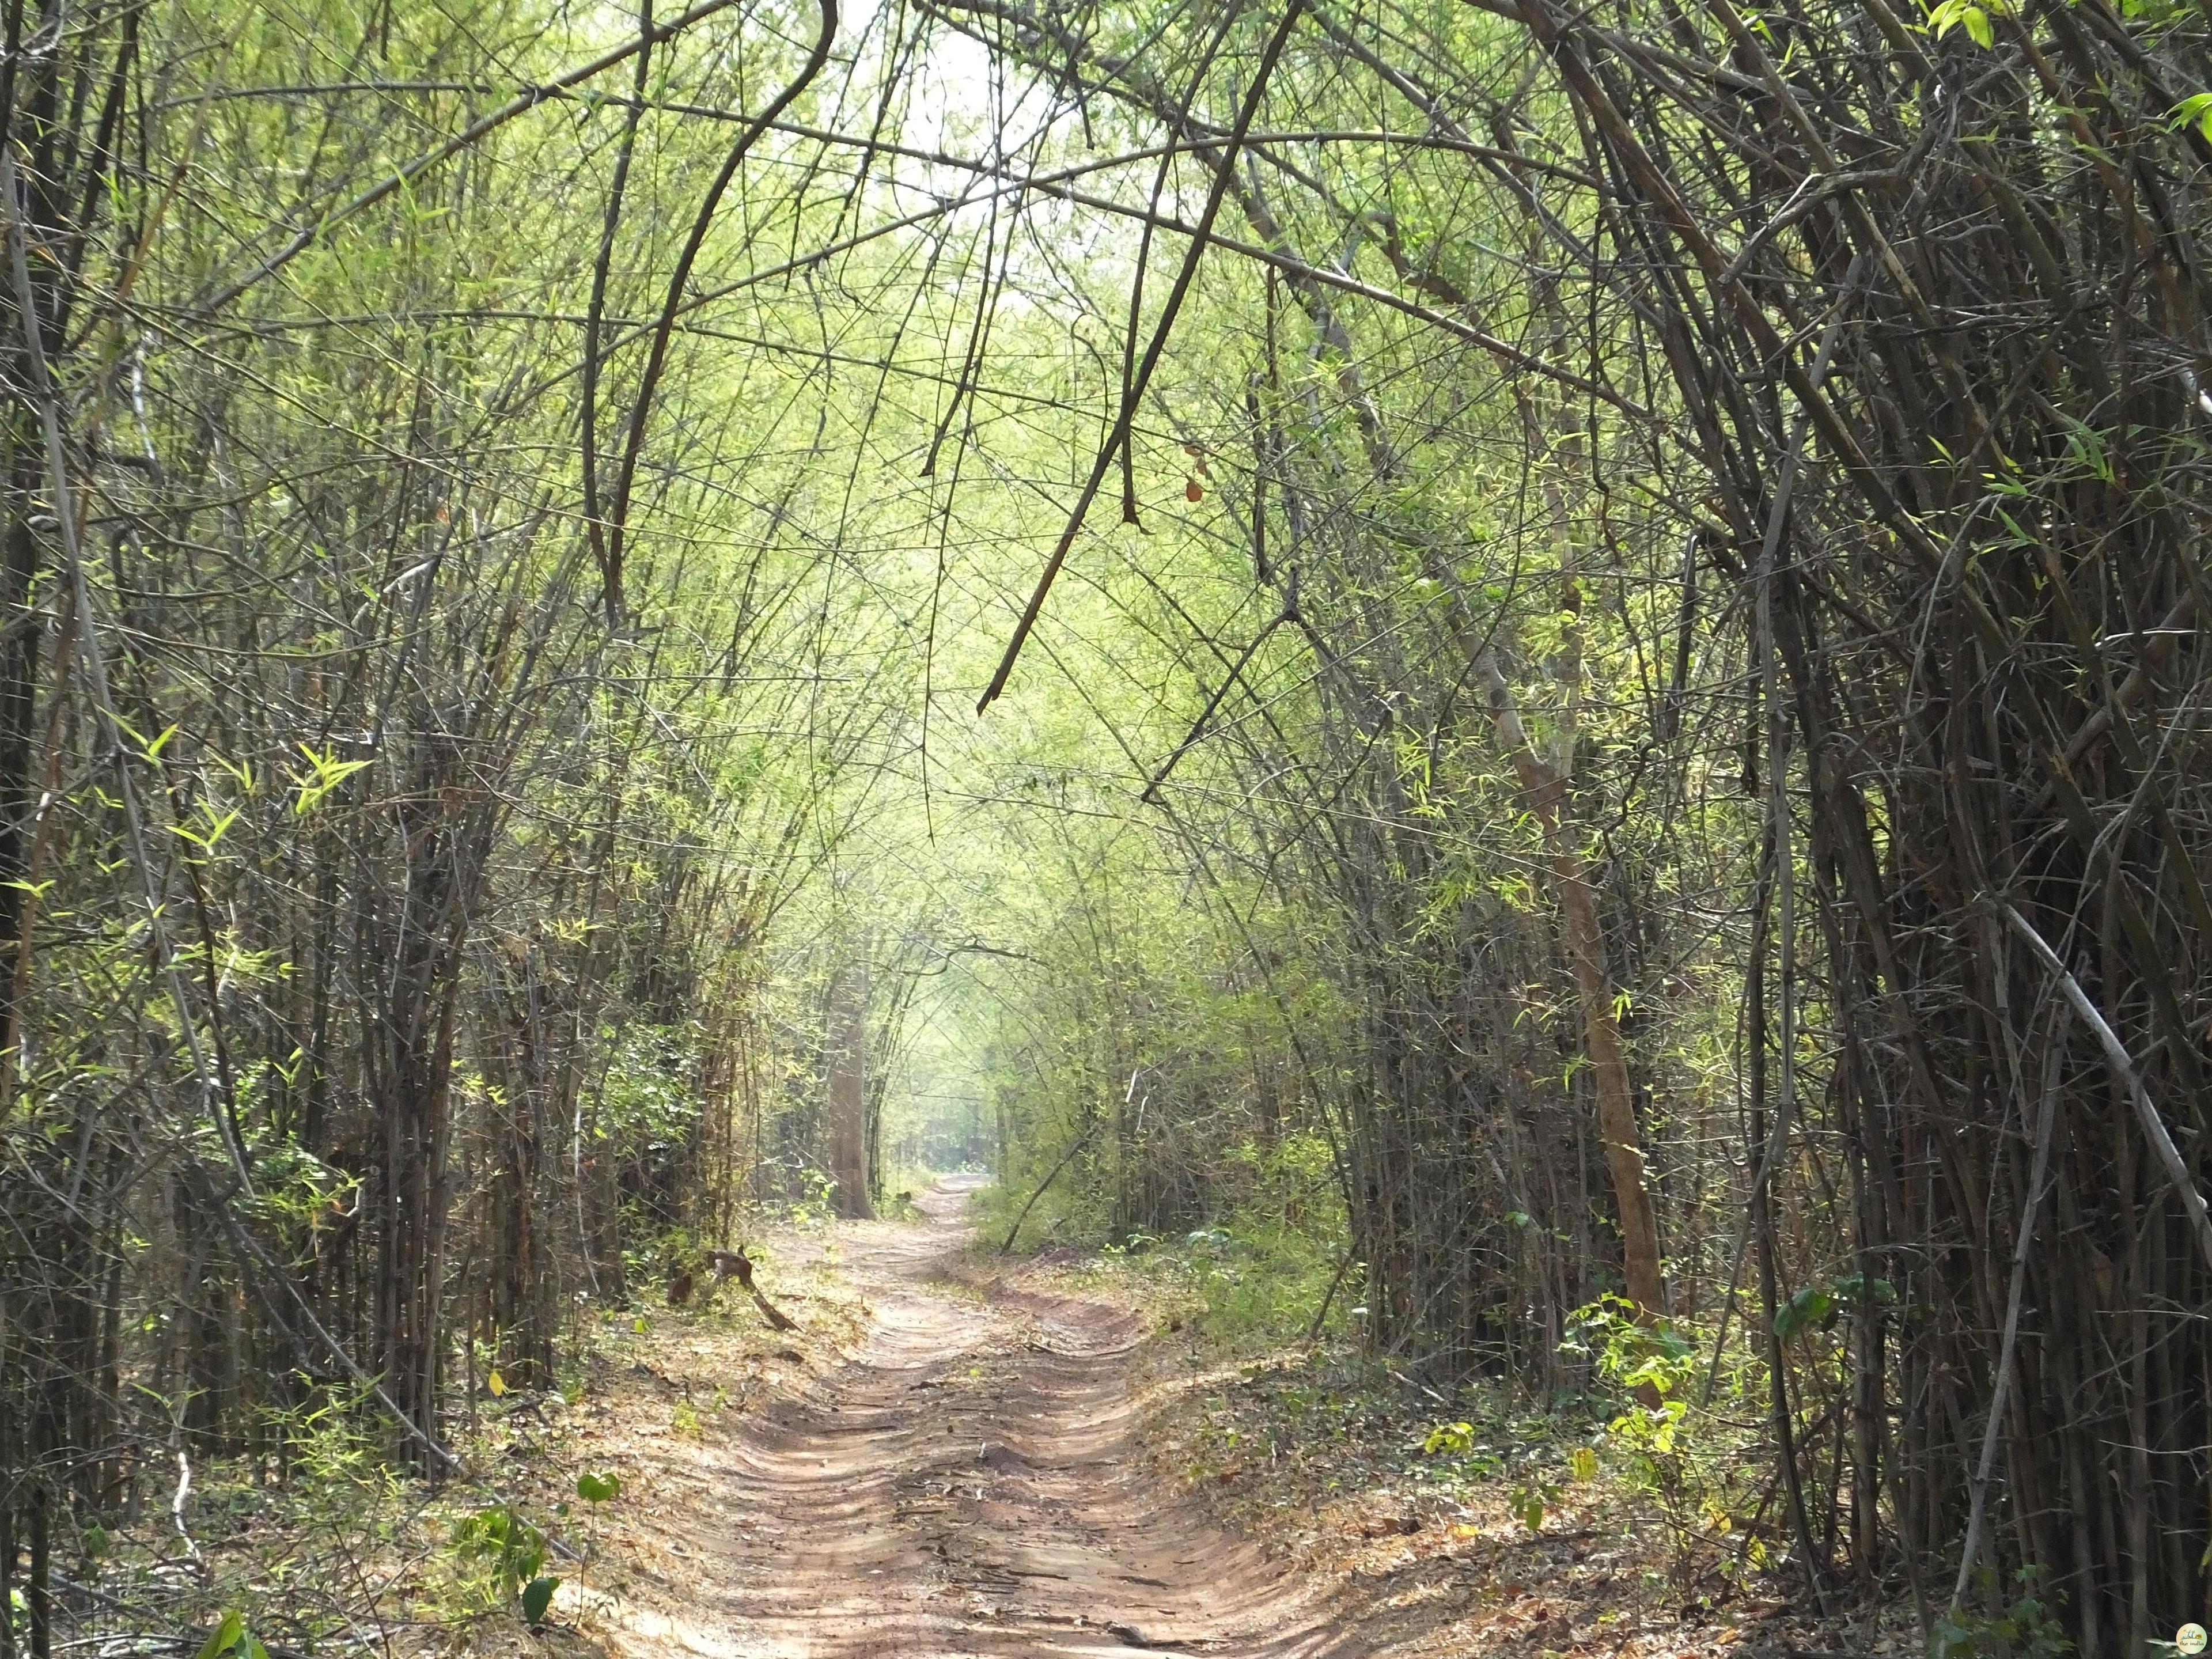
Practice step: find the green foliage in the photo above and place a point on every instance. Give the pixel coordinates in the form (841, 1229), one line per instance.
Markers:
(1632, 1353)
(1970, 15)
(815, 1202)
(647, 1103)
(2194, 110)
(505, 1551)
(333, 1442)
(538, 1597)
(1687, 1459)
(323, 774)
(1252, 1288)
(1466, 1451)
(2024, 1628)
(231, 1637)
(1449, 1439)
(1530, 1503)
(1813, 1305)
(1821, 1305)
(294, 1186)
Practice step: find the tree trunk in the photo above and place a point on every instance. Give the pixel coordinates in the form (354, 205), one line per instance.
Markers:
(411, 1056)
(847, 1042)
(1543, 787)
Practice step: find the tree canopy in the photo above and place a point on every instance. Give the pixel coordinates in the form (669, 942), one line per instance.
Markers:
(1554, 652)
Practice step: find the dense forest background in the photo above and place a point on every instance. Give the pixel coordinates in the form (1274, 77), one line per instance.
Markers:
(1550, 656)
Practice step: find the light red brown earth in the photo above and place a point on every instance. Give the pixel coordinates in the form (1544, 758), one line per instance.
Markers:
(948, 1457)
(967, 1477)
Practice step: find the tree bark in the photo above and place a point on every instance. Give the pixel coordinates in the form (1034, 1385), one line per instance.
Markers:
(848, 1042)
(1544, 788)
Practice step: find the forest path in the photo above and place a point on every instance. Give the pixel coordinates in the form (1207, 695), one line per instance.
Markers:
(966, 1481)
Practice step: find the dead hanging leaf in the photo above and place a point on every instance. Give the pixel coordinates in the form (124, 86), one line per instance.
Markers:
(1193, 490)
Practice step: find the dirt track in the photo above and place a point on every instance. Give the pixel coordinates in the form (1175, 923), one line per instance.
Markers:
(967, 1482)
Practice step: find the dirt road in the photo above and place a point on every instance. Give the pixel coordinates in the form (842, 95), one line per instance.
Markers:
(967, 1482)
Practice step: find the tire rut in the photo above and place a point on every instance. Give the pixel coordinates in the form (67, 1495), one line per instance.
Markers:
(967, 1482)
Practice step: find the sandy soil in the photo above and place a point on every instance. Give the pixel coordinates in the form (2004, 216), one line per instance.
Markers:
(968, 1480)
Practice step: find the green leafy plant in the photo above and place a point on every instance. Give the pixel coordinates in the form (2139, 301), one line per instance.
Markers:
(1822, 1305)
(1457, 1447)
(1963, 13)
(537, 1598)
(231, 1637)
(510, 1553)
(1453, 1439)
(817, 1205)
(1682, 1457)
(1530, 1502)
(323, 772)
(2024, 1629)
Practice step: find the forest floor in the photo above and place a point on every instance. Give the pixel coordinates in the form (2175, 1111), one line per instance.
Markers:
(957, 1455)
